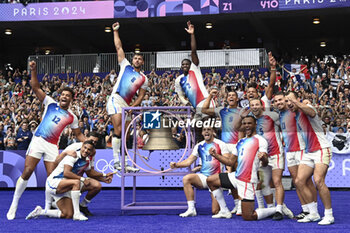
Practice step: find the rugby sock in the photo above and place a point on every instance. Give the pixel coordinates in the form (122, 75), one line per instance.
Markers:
(21, 185)
(52, 213)
(312, 208)
(260, 199)
(75, 200)
(279, 208)
(116, 148)
(239, 209)
(270, 205)
(266, 212)
(328, 212)
(85, 202)
(190, 205)
(48, 200)
(219, 196)
(316, 206)
(274, 195)
(236, 202)
(305, 208)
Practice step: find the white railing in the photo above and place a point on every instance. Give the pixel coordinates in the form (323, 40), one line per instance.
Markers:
(169, 60)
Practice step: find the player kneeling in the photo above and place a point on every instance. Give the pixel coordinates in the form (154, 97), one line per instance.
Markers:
(209, 166)
(249, 151)
(65, 183)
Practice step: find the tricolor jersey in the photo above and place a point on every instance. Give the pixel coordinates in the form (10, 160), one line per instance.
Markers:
(77, 147)
(192, 86)
(247, 150)
(267, 126)
(210, 165)
(311, 131)
(79, 166)
(228, 116)
(55, 119)
(292, 139)
(129, 81)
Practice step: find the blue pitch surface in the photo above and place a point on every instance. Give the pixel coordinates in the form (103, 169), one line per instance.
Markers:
(108, 217)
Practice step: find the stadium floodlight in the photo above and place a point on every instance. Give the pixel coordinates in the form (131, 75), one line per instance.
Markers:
(323, 44)
(108, 29)
(316, 21)
(209, 25)
(8, 31)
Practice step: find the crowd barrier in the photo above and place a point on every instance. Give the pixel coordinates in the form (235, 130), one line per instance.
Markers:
(12, 164)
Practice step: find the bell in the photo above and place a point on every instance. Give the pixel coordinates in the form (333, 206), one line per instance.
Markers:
(161, 139)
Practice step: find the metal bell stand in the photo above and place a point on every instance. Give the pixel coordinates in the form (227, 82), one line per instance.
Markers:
(134, 205)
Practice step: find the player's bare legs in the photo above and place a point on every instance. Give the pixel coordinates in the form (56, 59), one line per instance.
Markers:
(214, 185)
(189, 181)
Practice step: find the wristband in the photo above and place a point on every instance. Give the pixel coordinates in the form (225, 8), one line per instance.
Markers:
(82, 179)
(272, 69)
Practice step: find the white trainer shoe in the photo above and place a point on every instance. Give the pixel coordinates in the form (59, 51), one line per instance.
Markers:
(222, 214)
(326, 221)
(310, 218)
(117, 166)
(11, 214)
(129, 168)
(234, 210)
(189, 213)
(35, 213)
(79, 217)
(286, 211)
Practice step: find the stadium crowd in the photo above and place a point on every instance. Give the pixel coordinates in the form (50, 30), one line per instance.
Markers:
(327, 87)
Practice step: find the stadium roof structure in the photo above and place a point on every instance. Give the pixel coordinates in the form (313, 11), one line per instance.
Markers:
(282, 32)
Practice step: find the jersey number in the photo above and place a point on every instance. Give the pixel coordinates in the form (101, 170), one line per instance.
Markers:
(208, 157)
(133, 79)
(283, 125)
(56, 119)
(230, 119)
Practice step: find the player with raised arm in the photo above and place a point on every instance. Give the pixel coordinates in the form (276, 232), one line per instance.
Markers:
(229, 134)
(315, 162)
(294, 146)
(56, 117)
(268, 126)
(249, 152)
(130, 81)
(190, 84)
(209, 166)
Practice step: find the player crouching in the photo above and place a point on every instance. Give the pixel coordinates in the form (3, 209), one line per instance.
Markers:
(66, 182)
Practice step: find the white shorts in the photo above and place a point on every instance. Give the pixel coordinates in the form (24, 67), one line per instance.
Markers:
(320, 156)
(245, 190)
(294, 158)
(115, 104)
(199, 115)
(39, 147)
(203, 179)
(51, 186)
(276, 161)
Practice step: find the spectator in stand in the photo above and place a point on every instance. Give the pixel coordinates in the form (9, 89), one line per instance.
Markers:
(24, 136)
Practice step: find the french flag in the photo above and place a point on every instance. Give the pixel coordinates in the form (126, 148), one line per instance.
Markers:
(301, 72)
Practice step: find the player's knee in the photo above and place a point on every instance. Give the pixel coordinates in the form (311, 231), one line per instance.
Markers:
(97, 186)
(215, 210)
(67, 214)
(299, 182)
(319, 181)
(27, 172)
(248, 216)
(186, 180)
(76, 184)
